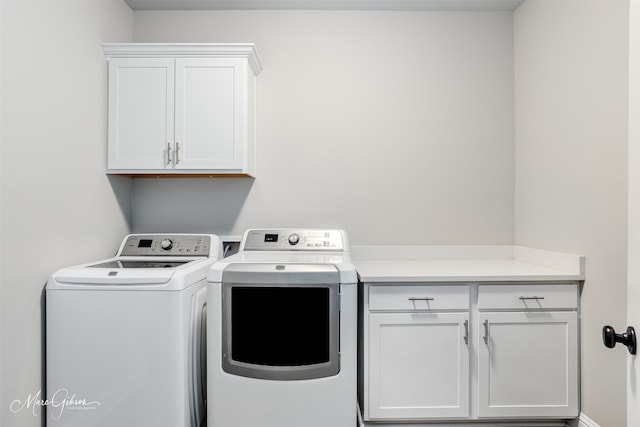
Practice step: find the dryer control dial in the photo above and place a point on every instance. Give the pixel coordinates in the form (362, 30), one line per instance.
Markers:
(166, 244)
(294, 239)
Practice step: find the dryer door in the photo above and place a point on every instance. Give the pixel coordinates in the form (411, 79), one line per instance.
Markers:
(281, 322)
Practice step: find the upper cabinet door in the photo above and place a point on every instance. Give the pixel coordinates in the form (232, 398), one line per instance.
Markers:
(211, 113)
(141, 99)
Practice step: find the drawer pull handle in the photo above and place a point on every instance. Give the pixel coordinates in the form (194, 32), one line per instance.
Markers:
(526, 298)
(421, 299)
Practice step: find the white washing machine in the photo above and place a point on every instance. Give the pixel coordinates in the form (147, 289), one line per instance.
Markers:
(125, 336)
(282, 332)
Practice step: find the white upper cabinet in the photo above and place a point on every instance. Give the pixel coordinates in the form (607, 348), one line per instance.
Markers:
(182, 109)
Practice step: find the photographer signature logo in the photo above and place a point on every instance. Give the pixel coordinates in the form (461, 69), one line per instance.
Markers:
(62, 400)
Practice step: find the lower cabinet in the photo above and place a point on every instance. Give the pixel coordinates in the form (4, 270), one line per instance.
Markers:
(412, 353)
(528, 365)
(469, 352)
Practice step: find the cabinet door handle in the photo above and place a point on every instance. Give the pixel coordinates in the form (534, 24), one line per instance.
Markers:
(466, 332)
(534, 297)
(177, 152)
(486, 332)
(421, 299)
(168, 153)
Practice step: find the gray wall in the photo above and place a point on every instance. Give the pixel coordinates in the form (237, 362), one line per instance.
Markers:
(58, 207)
(397, 126)
(571, 167)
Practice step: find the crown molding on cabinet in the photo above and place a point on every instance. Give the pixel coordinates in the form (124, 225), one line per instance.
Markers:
(451, 5)
(185, 50)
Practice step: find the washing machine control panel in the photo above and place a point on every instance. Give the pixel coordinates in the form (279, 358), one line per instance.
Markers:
(166, 245)
(294, 239)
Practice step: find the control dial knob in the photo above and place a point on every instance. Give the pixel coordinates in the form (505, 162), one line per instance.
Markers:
(166, 244)
(294, 239)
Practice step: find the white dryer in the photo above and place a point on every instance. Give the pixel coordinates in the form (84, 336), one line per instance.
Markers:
(282, 332)
(125, 335)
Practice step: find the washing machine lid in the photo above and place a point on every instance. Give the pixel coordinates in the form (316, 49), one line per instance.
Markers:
(124, 263)
(146, 262)
(114, 277)
(130, 273)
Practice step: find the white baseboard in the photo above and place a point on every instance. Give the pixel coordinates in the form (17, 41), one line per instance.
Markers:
(584, 421)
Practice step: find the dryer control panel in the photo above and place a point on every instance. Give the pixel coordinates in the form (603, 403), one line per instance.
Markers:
(295, 240)
(166, 245)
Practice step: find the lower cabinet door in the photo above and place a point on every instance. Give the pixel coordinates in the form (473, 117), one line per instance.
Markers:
(419, 365)
(528, 364)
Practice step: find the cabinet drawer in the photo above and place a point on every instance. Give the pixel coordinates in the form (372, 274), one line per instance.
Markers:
(527, 297)
(420, 297)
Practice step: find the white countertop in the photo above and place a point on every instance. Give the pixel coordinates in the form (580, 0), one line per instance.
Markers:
(403, 264)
